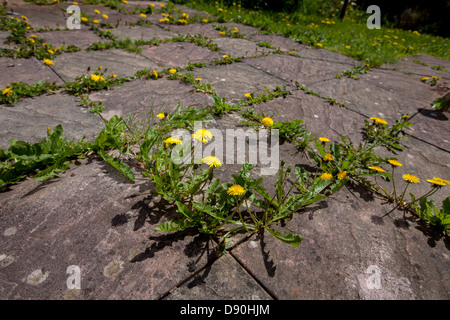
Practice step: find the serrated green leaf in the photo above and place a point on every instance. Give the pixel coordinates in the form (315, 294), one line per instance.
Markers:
(119, 165)
(292, 239)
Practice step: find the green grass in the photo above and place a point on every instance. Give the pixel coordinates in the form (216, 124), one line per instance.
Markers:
(324, 30)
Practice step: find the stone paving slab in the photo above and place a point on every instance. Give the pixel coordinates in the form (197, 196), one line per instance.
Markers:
(148, 96)
(342, 265)
(327, 55)
(280, 42)
(69, 66)
(99, 222)
(234, 80)
(28, 119)
(52, 16)
(408, 66)
(367, 98)
(79, 38)
(240, 47)
(242, 28)
(3, 38)
(293, 69)
(431, 126)
(320, 118)
(225, 279)
(205, 30)
(25, 70)
(177, 54)
(141, 33)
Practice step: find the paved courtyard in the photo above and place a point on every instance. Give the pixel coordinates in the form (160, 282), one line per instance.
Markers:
(94, 218)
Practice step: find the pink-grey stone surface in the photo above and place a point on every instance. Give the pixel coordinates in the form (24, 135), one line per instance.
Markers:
(356, 245)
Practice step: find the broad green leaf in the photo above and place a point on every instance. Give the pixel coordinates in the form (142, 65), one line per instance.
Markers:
(119, 165)
(293, 239)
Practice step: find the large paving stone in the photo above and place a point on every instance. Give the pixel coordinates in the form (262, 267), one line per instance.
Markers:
(141, 32)
(236, 47)
(93, 218)
(327, 55)
(122, 63)
(401, 85)
(370, 98)
(294, 69)
(79, 38)
(41, 16)
(280, 42)
(242, 28)
(177, 54)
(225, 279)
(25, 70)
(149, 96)
(28, 120)
(320, 118)
(347, 244)
(235, 80)
(408, 66)
(205, 30)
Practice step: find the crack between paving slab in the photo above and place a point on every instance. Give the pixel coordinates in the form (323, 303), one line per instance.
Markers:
(57, 75)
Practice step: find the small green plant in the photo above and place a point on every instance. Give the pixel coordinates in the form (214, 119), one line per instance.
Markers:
(379, 132)
(93, 82)
(440, 104)
(353, 73)
(420, 62)
(332, 101)
(427, 212)
(17, 90)
(221, 107)
(437, 67)
(251, 99)
(44, 160)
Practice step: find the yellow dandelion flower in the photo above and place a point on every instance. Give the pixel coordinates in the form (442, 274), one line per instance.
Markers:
(395, 163)
(376, 168)
(439, 182)
(198, 79)
(236, 30)
(48, 62)
(143, 15)
(236, 190)
(202, 135)
(173, 71)
(410, 178)
(226, 56)
(6, 90)
(406, 116)
(222, 33)
(324, 139)
(97, 11)
(51, 51)
(125, 1)
(114, 75)
(155, 73)
(424, 79)
(319, 45)
(105, 16)
(161, 115)
(326, 176)
(328, 157)
(24, 18)
(205, 20)
(84, 19)
(347, 47)
(342, 175)
(379, 120)
(212, 161)
(185, 16)
(171, 140)
(95, 21)
(268, 122)
(248, 95)
(162, 5)
(96, 78)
